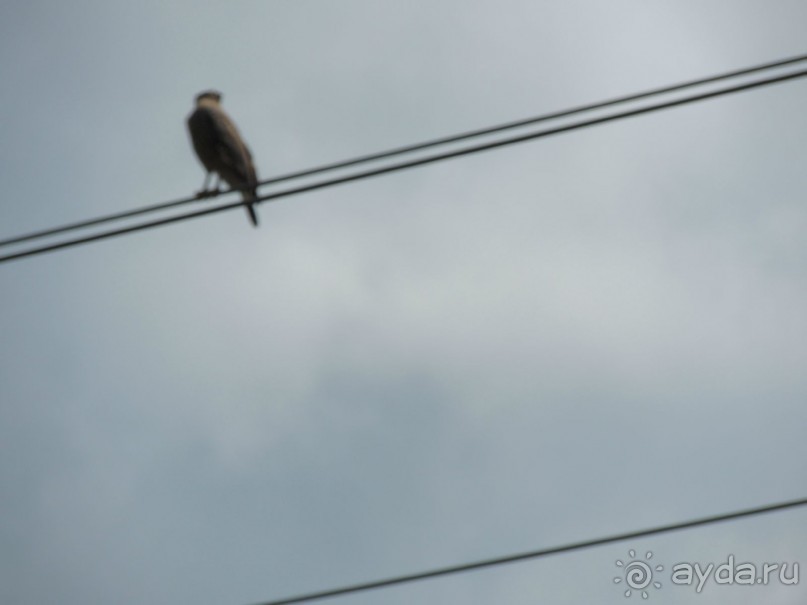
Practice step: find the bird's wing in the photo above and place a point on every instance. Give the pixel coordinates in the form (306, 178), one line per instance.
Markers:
(231, 150)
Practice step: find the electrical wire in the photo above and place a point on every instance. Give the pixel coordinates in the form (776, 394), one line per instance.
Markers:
(416, 147)
(573, 546)
(414, 163)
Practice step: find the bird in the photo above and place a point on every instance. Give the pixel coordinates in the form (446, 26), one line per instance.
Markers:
(220, 148)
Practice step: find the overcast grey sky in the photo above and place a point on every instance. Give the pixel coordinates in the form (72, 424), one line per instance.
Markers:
(583, 335)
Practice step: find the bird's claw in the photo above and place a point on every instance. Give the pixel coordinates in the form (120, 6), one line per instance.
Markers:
(207, 193)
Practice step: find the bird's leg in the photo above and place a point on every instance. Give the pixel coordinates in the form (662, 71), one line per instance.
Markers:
(205, 192)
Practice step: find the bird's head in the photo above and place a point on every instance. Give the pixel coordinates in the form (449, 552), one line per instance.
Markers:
(209, 96)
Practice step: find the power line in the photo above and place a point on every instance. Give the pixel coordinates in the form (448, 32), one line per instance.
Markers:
(414, 163)
(542, 118)
(99, 221)
(416, 147)
(445, 571)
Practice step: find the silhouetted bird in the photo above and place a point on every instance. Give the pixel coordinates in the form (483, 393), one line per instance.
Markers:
(221, 149)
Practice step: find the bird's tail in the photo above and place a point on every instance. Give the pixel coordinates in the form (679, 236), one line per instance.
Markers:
(249, 203)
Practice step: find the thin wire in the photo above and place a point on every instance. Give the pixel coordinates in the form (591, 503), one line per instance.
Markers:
(413, 163)
(99, 221)
(455, 569)
(537, 119)
(416, 147)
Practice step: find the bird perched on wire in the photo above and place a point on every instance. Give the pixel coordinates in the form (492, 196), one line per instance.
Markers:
(221, 149)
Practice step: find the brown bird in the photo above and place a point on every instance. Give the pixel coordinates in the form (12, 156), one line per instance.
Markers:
(221, 149)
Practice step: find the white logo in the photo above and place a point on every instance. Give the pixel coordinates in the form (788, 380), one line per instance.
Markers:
(638, 574)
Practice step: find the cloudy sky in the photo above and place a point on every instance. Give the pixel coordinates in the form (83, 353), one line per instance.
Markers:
(583, 335)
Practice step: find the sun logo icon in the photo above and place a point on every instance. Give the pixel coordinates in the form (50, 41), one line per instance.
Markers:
(638, 574)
